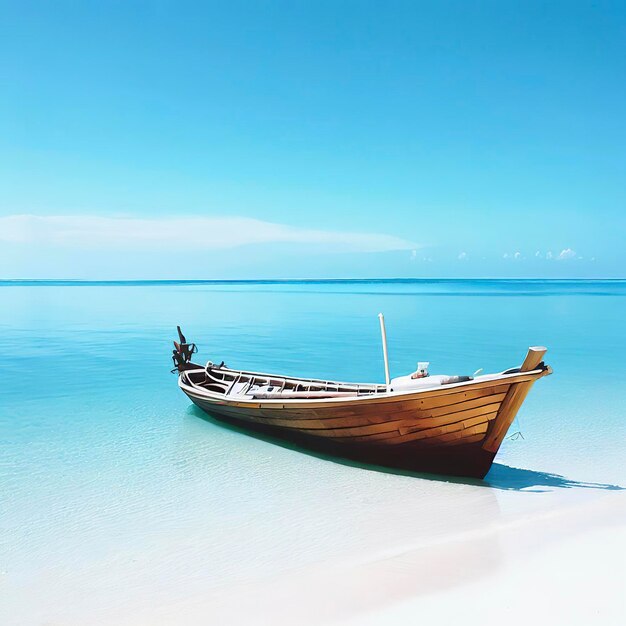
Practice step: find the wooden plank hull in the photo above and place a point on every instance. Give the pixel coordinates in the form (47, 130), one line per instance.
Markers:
(455, 430)
(462, 459)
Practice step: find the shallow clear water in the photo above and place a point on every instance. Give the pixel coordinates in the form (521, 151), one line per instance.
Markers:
(109, 478)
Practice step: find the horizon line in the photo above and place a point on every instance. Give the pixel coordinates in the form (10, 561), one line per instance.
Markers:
(298, 280)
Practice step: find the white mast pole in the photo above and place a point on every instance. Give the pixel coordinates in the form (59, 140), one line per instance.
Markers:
(383, 333)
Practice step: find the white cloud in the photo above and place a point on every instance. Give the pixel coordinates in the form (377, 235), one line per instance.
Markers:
(538, 254)
(463, 256)
(517, 255)
(424, 259)
(505, 255)
(199, 233)
(566, 254)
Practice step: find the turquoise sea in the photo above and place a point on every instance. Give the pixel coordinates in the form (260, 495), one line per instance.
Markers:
(116, 492)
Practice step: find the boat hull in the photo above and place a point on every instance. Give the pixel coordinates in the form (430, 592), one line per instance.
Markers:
(468, 459)
(443, 431)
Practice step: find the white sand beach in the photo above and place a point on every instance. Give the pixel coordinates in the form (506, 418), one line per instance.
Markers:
(558, 565)
(447, 551)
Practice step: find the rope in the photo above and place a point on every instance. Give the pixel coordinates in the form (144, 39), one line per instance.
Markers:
(518, 433)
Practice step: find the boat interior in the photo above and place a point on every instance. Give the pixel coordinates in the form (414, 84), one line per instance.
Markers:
(221, 380)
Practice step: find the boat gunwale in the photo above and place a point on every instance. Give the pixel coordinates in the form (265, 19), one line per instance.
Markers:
(194, 390)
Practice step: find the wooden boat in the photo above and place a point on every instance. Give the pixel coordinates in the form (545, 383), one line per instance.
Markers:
(444, 425)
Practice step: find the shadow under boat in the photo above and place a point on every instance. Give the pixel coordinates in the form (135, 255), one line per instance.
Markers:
(500, 476)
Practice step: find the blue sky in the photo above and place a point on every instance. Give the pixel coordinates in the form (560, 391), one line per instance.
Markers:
(312, 139)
